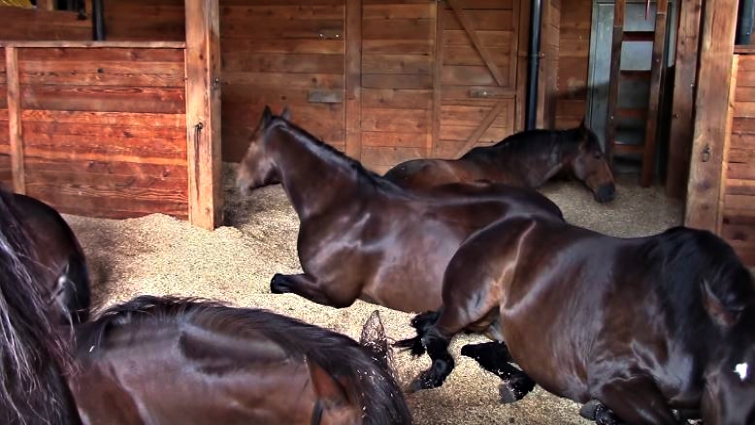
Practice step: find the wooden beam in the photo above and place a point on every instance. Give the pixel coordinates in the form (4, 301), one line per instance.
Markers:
(14, 121)
(657, 68)
(521, 45)
(727, 143)
(353, 83)
(617, 41)
(711, 108)
(96, 44)
(682, 113)
(203, 113)
(437, 80)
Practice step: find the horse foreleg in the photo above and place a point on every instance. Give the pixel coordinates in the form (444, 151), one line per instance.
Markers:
(436, 345)
(635, 400)
(496, 358)
(307, 287)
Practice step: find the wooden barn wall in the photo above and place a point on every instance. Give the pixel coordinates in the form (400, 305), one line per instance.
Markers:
(30, 24)
(573, 58)
(398, 45)
(548, 78)
(103, 129)
(737, 203)
(281, 53)
(144, 20)
(5, 164)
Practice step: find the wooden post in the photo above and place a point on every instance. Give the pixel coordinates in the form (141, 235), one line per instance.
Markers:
(46, 5)
(203, 113)
(711, 109)
(617, 41)
(14, 121)
(682, 114)
(353, 68)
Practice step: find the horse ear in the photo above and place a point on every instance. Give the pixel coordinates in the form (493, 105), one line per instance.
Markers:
(326, 387)
(722, 314)
(267, 115)
(286, 113)
(373, 340)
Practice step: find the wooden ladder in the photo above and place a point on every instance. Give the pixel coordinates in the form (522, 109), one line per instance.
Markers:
(655, 75)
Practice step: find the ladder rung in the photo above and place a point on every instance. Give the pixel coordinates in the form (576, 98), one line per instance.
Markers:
(619, 147)
(639, 36)
(635, 75)
(631, 112)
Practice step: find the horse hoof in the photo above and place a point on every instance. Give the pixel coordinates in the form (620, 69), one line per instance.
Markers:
(589, 410)
(278, 284)
(507, 394)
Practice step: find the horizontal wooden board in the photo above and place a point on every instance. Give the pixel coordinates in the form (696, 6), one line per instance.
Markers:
(254, 94)
(460, 37)
(469, 76)
(104, 54)
(282, 28)
(396, 99)
(742, 155)
(289, 45)
(137, 170)
(137, 28)
(424, 10)
(744, 109)
(79, 73)
(106, 118)
(482, 20)
(743, 126)
(468, 55)
(741, 233)
(30, 24)
(739, 202)
(282, 62)
(301, 11)
(279, 79)
(394, 139)
(397, 81)
(741, 171)
(457, 115)
(740, 187)
(396, 64)
(103, 98)
(224, 3)
(398, 29)
(476, 93)
(424, 47)
(460, 133)
(392, 120)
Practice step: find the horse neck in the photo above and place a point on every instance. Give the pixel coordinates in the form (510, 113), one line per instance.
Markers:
(313, 177)
(548, 163)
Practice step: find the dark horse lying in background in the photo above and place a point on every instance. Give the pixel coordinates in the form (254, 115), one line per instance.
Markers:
(205, 363)
(61, 257)
(636, 327)
(528, 158)
(361, 236)
(172, 361)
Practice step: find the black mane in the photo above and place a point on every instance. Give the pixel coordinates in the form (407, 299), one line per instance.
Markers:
(33, 353)
(684, 258)
(338, 354)
(366, 175)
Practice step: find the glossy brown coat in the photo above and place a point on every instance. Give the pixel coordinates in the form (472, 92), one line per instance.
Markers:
(361, 236)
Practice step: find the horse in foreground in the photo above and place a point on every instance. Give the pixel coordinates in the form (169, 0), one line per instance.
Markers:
(163, 360)
(634, 327)
(61, 257)
(528, 158)
(361, 236)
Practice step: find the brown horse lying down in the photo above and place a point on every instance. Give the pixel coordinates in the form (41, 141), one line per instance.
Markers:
(363, 237)
(528, 158)
(60, 255)
(159, 360)
(635, 327)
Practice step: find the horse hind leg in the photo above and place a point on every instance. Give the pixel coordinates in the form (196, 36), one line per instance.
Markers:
(308, 287)
(496, 358)
(634, 400)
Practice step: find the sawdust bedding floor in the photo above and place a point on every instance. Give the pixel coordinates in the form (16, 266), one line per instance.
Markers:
(160, 255)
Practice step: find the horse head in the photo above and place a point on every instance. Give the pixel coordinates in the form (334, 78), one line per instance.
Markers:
(729, 394)
(257, 169)
(589, 165)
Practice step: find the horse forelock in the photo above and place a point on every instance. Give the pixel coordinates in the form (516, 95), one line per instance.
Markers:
(32, 351)
(683, 259)
(339, 355)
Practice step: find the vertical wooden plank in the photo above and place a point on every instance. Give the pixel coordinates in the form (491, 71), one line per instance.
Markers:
(14, 121)
(437, 73)
(542, 72)
(656, 76)
(203, 113)
(521, 8)
(711, 107)
(613, 85)
(682, 113)
(46, 5)
(353, 70)
(727, 142)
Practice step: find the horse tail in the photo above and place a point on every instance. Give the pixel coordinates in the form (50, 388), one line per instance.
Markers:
(367, 383)
(32, 352)
(421, 323)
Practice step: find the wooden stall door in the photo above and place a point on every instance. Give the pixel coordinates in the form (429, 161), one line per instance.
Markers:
(6, 176)
(476, 74)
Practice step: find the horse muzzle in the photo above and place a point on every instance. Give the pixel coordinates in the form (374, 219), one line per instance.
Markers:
(605, 193)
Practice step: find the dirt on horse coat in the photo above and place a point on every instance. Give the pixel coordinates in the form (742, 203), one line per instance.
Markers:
(360, 235)
(529, 158)
(639, 325)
